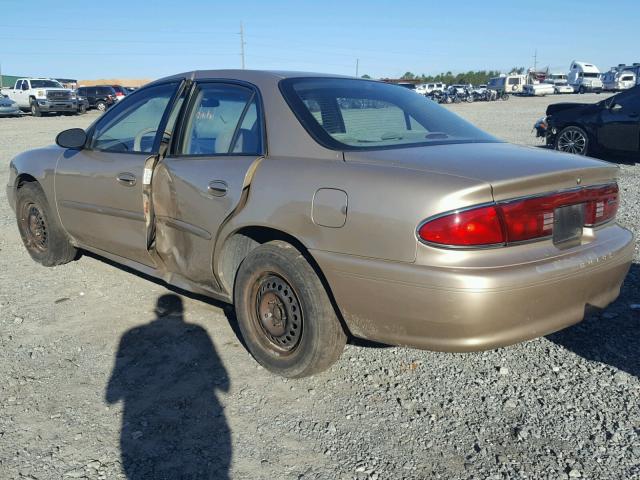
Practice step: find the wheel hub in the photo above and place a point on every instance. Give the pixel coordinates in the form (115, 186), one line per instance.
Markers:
(278, 313)
(36, 228)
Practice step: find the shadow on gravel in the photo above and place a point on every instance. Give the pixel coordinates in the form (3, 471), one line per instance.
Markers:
(610, 336)
(166, 374)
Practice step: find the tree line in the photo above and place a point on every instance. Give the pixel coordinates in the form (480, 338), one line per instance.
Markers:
(473, 77)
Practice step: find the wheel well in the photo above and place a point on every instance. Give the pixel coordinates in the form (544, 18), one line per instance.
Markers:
(24, 178)
(242, 242)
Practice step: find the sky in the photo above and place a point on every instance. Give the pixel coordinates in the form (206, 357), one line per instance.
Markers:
(155, 38)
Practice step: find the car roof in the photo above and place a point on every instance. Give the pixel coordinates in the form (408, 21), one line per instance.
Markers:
(248, 75)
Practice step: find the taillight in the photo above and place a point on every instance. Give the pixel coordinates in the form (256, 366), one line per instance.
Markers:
(478, 226)
(119, 94)
(603, 205)
(518, 220)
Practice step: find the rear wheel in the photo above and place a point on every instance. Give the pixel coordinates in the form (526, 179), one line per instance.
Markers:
(284, 312)
(42, 235)
(582, 90)
(102, 106)
(572, 140)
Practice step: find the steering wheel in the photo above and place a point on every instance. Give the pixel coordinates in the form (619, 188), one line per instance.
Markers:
(138, 139)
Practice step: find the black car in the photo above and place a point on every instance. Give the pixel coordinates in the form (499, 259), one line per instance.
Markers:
(609, 126)
(100, 97)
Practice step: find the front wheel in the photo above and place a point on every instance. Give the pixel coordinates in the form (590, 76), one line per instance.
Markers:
(572, 140)
(35, 109)
(284, 312)
(42, 235)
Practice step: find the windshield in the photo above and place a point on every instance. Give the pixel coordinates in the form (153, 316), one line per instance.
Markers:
(346, 114)
(590, 75)
(45, 84)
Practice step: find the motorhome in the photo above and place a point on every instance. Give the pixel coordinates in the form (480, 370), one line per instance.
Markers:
(508, 83)
(633, 68)
(616, 80)
(584, 77)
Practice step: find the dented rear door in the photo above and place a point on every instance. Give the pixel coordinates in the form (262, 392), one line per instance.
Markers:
(201, 182)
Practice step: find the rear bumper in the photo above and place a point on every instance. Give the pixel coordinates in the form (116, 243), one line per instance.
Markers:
(470, 309)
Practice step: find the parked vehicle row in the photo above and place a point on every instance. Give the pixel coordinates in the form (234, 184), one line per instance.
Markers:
(41, 96)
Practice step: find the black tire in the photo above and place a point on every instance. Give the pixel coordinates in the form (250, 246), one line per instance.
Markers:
(504, 97)
(82, 109)
(101, 105)
(284, 312)
(581, 90)
(572, 139)
(35, 109)
(42, 235)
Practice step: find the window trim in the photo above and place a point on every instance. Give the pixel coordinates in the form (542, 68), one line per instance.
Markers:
(187, 106)
(324, 139)
(163, 120)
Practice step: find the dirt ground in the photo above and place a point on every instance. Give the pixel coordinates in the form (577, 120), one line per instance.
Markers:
(107, 374)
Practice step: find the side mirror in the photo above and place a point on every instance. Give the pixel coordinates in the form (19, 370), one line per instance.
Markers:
(74, 138)
(616, 107)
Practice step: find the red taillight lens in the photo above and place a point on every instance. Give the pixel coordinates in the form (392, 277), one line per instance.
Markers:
(480, 226)
(518, 220)
(119, 94)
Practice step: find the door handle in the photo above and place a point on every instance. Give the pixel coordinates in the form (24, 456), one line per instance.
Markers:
(218, 188)
(127, 179)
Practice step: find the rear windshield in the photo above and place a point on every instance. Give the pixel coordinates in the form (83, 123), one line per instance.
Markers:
(350, 114)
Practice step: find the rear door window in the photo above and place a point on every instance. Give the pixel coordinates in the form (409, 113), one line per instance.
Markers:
(222, 119)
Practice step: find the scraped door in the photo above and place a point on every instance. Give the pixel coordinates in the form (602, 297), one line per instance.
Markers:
(200, 183)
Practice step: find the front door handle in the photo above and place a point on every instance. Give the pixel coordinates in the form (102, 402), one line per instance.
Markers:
(218, 188)
(127, 179)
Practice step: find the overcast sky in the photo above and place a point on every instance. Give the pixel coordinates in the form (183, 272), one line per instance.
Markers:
(150, 39)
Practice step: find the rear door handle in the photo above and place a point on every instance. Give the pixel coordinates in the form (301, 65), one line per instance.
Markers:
(218, 188)
(127, 179)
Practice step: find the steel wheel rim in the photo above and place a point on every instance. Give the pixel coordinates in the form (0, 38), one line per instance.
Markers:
(34, 227)
(102, 107)
(277, 315)
(572, 141)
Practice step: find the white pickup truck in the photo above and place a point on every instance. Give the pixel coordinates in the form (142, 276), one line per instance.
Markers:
(42, 95)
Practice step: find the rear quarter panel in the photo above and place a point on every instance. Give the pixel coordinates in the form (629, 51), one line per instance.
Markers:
(385, 204)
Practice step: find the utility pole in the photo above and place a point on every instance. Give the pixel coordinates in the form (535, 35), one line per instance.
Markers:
(242, 44)
(1, 84)
(535, 61)
(357, 64)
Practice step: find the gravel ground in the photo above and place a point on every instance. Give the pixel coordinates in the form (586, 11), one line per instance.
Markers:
(92, 385)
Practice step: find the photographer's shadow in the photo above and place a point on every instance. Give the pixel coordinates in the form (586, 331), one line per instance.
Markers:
(166, 373)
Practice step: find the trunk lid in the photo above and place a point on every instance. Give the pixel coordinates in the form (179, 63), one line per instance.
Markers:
(511, 170)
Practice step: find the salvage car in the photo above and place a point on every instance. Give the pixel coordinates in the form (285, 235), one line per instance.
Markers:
(609, 126)
(324, 207)
(9, 108)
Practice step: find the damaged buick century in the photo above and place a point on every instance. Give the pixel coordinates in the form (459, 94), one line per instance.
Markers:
(324, 207)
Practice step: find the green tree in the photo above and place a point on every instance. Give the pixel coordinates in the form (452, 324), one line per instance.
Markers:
(408, 76)
(365, 76)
